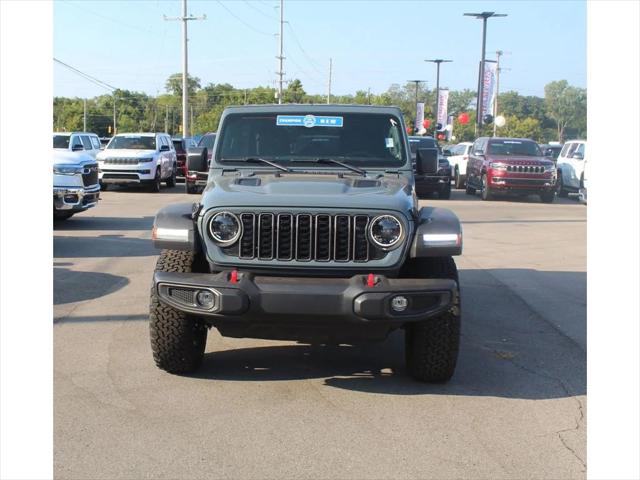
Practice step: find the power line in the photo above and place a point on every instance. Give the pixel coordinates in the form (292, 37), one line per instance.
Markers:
(242, 21)
(86, 75)
(258, 10)
(304, 52)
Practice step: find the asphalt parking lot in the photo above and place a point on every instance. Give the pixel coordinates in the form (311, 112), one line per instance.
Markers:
(516, 407)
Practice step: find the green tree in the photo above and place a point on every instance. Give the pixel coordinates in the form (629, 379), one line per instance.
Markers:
(566, 105)
(521, 128)
(173, 84)
(294, 92)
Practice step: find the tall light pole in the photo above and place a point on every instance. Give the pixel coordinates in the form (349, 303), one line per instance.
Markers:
(484, 16)
(437, 61)
(185, 74)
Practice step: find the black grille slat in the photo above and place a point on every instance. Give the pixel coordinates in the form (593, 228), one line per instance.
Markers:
(285, 237)
(323, 238)
(341, 237)
(265, 236)
(247, 241)
(303, 237)
(360, 242)
(90, 178)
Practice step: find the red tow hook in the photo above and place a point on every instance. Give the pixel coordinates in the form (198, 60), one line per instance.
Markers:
(233, 278)
(371, 280)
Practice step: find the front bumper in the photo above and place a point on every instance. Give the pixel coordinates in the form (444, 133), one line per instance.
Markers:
(290, 307)
(137, 175)
(75, 199)
(521, 184)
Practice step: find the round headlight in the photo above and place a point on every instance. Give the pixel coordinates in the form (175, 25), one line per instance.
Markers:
(225, 228)
(385, 231)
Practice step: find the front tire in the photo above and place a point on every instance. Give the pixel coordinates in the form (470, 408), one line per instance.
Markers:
(154, 187)
(561, 191)
(548, 197)
(445, 192)
(177, 339)
(61, 216)
(191, 189)
(432, 345)
(457, 180)
(486, 193)
(171, 181)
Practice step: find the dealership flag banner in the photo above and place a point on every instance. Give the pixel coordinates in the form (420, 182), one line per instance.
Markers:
(419, 116)
(488, 87)
(443, 101)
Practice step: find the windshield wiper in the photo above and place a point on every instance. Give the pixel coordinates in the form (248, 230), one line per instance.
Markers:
(342, 164)
(260, 160)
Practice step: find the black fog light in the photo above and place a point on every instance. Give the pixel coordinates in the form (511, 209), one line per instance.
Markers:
(205, 299)
(70, 198)
(399, 303)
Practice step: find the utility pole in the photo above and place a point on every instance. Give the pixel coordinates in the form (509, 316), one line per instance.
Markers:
(114, 115)
(185, 72)
(369, 96)
(245, 96)
(499, 69)
(281, 56)
(85, 115)
(437, 61)
(191, 118)
(166, 119)
(329, 88)
(484, 16)
(417, 82)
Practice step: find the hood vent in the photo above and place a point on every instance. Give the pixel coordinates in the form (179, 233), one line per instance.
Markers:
(248, 182)
(365, 183)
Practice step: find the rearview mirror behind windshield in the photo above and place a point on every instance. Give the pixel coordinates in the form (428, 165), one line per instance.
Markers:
(427, 161)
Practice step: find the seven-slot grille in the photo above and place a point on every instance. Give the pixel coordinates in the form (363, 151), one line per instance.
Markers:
(304, 237)
(525, 168)
(121, 161)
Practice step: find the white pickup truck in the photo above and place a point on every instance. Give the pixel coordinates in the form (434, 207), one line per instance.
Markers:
(571, 163)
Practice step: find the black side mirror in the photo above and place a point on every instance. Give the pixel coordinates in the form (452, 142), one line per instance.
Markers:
(77, 147)
(427, 161)
(164, 148)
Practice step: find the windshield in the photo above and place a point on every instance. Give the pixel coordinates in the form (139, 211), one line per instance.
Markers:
(514, 147)
(61, 141)
(207, 141)
(360, 139)
(133, 142)
(425, 142)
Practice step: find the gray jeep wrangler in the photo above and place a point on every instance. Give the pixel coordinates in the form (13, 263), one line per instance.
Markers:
(309, 229)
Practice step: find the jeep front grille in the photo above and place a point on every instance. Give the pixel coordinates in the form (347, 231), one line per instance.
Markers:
(525, 168)
(304, 237)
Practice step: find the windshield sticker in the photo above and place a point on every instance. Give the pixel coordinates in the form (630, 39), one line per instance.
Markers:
(308, 121)
(389, 142)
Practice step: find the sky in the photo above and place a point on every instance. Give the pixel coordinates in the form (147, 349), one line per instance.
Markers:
(373, 44)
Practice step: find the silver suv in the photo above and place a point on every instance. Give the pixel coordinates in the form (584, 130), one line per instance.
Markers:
(86, 142)
(138, 158)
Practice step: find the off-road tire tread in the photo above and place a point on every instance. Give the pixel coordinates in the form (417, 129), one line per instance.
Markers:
(177, 340)
(431, 346)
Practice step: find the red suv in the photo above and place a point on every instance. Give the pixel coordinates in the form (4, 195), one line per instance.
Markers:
(182, 145)
(510, 166)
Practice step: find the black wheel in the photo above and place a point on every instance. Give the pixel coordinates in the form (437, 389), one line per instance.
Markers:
(191, 188)
(548, 197)
(61, 216)
(171, 181)
(155, 184)
(470, 190)
(457, 180)
(177, 339)
(560, 186)
(431, 346)
(445, 192)
(104, 186)
(485, 192)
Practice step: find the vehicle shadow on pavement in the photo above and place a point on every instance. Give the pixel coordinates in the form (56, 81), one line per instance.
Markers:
(179, 188)
(508, 349)
(458, 195)
(72, 286)
(105, 223)
(102, 246)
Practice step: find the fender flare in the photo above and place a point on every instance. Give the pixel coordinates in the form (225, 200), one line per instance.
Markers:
(174, 227)
(438, 234)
